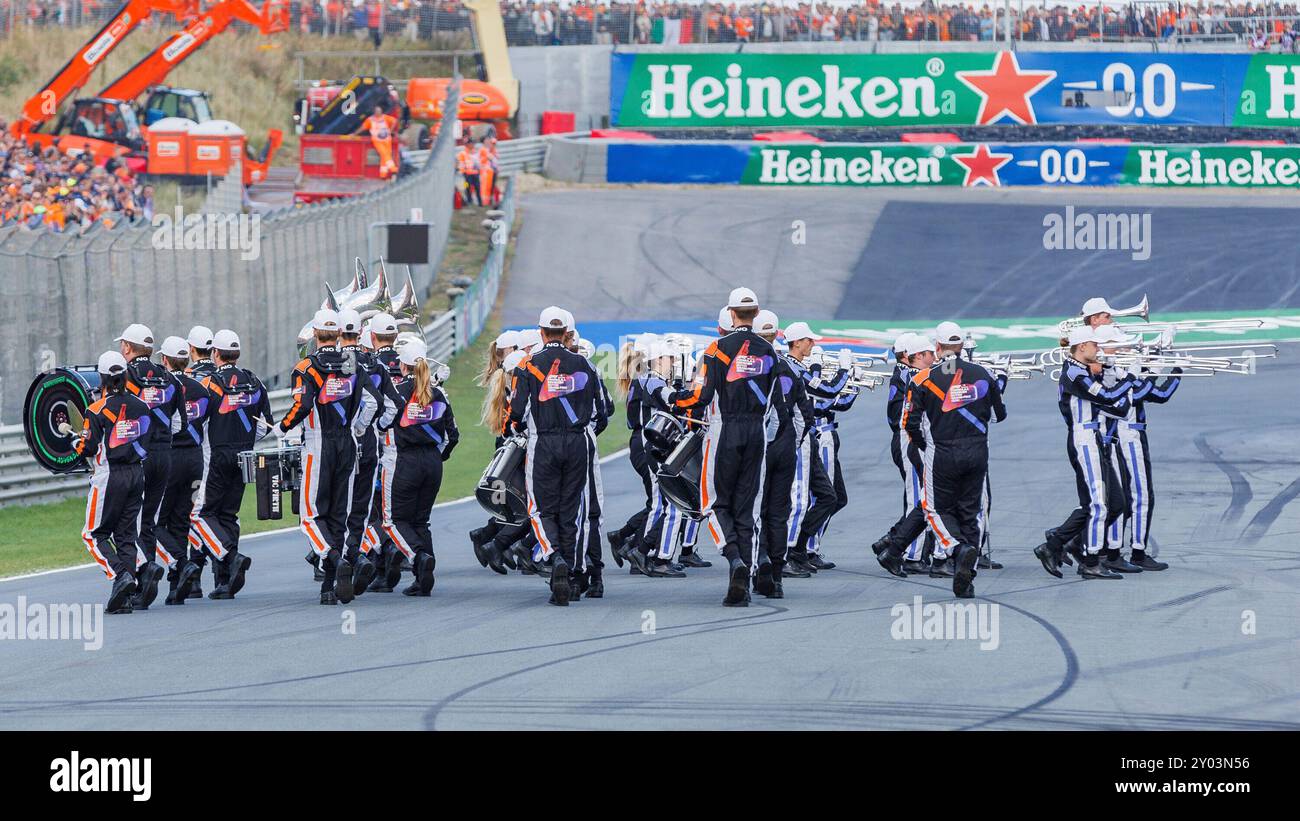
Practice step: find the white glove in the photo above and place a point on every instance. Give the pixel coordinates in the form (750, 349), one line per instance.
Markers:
(442, 374)
(846, 359)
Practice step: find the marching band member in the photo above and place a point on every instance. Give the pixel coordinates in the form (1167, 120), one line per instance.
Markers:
(185, 475)
(115, 438)
(556, 392)
(241, 417)
(591, 582)
(1082, 398)
(632, 373)
(327, 401)
(906, 534)
(790, 401)
(373, 379)
(495, 379)
(199, 341)
(424, 435)
(1132, 459)
(948, 413)
(828, 453)
(813, 497)
(734, 381)
(383, 336)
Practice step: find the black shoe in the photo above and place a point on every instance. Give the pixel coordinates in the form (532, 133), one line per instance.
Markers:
(312, 559)
(942, 569)
(639, 561)
(694, 560)
(615, 540)
(1147, 563)
(917, 566)
(424, 565)
(146, 581)
(1120, 565)
(1097, 571)
(392, 567)
(363, 575)
(196, 592)
(596, 588)
(963, 577)
(738, 587)
(816, 560)
(172, 599)
(524, 557)
(317, 575)
(478, 542)
(238, 565)
(560, 591)
(778, 591)
(799, 560)
(987, 563)
(664, 570)
(1051, 562)
(187, 578)
(120, 596)
(412, 589)
(328, 597)
(342, 578)
(1074, 549)
(379, 585)
(494, 559)
(792, 570)
(892, 560)
(880, 545)
(221, 593)
(763, 578)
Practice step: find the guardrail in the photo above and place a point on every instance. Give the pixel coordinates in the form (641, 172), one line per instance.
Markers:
(22, 481)
(528, 153)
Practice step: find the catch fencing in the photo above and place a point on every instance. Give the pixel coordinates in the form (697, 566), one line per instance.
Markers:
(69, 295)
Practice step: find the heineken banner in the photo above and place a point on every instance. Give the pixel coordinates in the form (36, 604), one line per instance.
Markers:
(988, 88)
(954, 164)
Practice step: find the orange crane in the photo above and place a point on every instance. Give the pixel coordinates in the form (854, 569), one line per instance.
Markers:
(45, 103)
(272, 18)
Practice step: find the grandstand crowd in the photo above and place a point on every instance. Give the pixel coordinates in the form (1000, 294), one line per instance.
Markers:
(568, 22)
(65, 193)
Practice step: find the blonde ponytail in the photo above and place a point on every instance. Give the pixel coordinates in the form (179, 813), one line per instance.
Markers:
(494, 400)
(631, 363)
(423, 391)
(492, 365)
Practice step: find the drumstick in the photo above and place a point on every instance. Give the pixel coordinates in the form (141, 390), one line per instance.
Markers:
(74, 423)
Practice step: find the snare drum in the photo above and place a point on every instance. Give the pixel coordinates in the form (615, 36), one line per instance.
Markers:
(679, 475)
(501, 491)
(662, 433)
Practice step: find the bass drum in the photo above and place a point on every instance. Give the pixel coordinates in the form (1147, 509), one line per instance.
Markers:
(679, 475)
(501, 491)
(50, 399)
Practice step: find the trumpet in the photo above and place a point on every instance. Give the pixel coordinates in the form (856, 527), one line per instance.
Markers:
(1142, 309)
(860, 378)
(1023, 367)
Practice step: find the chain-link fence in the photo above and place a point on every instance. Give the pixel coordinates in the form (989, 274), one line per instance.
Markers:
(67, 296)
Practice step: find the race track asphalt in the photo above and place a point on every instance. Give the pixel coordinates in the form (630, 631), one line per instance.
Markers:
(1213, 643)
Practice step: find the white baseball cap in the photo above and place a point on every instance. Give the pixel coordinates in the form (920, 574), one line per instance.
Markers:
(742, 298)
(383, 324)
(226, 340)
(176, 348)
(137, 334)
(200, 337)
(1081, 334)
(900, 342)
(530, 337)
(367, 339)
(111, 363)
(413, 351)
(799, 330)
(724, 319)
(1096, 305)
(325, 320)
(507, 339)
(645, 342)
(569, 321)
(554, 319)
(917, 343)
(349, 321)
(513, 359)
(949, 333)
(766, 323)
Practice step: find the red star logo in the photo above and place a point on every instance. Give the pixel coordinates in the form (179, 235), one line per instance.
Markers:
(982, 167)
(1006, 89)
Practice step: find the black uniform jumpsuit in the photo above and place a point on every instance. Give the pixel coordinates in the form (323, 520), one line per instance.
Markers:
(152, 384)
(116, 434)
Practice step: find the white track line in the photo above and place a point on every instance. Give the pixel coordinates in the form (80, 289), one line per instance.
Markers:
(611, 457)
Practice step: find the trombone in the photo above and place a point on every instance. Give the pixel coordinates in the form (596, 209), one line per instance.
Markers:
(860, 374)
(1142, 309)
